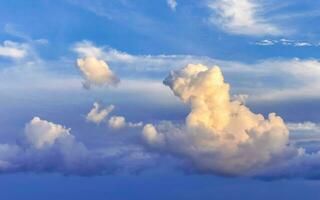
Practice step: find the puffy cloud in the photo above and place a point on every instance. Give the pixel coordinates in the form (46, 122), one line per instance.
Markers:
(151, 136)
(220, 135)
(97, 115)
(96, 72)
(41, 132)
(117, 122)
(172, 4)
(241, 17)
(13, 50)
(50, 147)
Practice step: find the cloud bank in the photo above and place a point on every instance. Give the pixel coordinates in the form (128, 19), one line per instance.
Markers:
(50, 147)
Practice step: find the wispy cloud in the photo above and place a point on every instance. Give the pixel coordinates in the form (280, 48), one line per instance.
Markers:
(14, 50)
(172, 4)
(244, 17)
(286, 42)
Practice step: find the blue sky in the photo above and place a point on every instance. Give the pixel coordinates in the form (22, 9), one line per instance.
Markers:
(58, 58)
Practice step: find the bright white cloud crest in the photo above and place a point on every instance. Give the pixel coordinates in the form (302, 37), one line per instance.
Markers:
(96, 72)
(220, 135)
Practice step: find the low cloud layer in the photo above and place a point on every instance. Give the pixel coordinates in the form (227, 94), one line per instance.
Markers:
(96, 72)
(50, 147)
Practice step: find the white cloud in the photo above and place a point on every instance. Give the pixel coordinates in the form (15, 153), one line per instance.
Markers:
(117, 122)
(151, 136)
(97, 115)
(13, 50)
(304, 126)
(172, 4)
(49, 147)
(96, 72)
(241, 17)
(286, 42)
(87, 49)
(41, 132)
(220, 136)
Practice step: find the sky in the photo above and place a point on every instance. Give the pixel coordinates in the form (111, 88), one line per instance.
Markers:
(163, 99)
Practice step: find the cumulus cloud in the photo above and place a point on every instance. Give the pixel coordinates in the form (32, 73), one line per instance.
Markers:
(117, 122)
(96, 115)
(96, 72)
(172, 4)
(13, 50)
(219, 135)
(50, 147)
(41, 132)
(241, 17)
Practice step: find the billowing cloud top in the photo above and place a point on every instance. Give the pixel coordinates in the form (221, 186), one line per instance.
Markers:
(96, 72)
(220, 135)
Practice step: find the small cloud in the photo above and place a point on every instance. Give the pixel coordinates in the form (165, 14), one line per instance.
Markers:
(117, 122)
(13, 50)
(96, 115)
(96, 72)
(172, 4)
(265, 43)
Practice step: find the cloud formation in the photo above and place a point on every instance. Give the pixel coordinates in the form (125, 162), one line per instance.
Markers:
(96, 72)
(41, 132)
(117, 122)
(172, 4)
(97, 115)
(219, 135)
(241, 17)
(13, 50)
(50, 147)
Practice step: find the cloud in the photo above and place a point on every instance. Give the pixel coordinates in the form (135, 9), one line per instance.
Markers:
(96, 115)
(41, 132)
(117, 122)
(49, 147)
(13, 50)
(87, 49)
(219, 136)
(96, 72)
(304, 132)
(241, 17)
(285, 42)
(172, 4)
